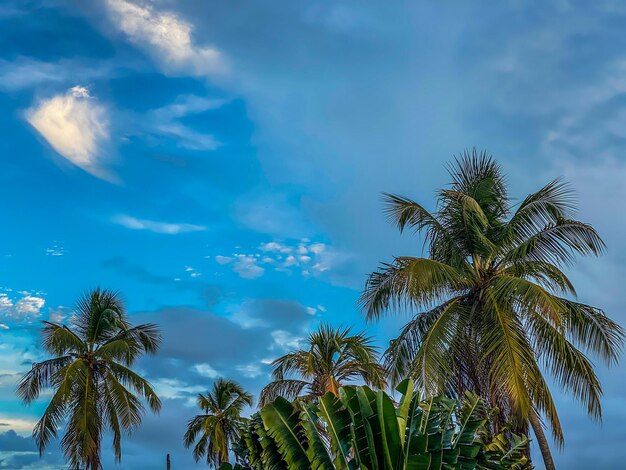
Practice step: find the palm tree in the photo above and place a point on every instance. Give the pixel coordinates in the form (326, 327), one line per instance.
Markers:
(333, 358)
(496, 311)
(219, 426)
(94, 388)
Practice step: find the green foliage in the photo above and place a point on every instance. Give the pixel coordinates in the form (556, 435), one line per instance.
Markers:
(215, 431)
(363, 429)
(94, 388)
(334, 357)
(495, 308)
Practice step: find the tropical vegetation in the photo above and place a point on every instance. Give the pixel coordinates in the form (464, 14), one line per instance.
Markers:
(333, 357)
(363, 429)
(94, 388)
(496, 310)
(217, 429)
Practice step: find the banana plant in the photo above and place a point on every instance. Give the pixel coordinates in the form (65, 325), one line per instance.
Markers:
(367, 430)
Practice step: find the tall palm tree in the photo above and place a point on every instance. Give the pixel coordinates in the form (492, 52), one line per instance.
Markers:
(218, 428)
(94, 387)
(334, 357)
(496, 311)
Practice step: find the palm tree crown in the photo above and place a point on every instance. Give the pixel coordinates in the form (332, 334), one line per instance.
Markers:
(94, 388)
(218, 428)
(495, 305)
(333, 358)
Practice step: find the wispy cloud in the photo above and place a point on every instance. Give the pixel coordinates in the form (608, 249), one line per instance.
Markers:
(167, 37)
(26, 72)
(134, 223)
(166, 121)
(76, 126)
(20, 425)
(205, 370)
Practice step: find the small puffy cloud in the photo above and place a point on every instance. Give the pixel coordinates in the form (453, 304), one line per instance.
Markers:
(173, 389)
(286, 341)
(29, 305)
(134, 223)
(76, 126)
(304, 256)
(275, 247)
(55, 250)
(5, 302)
(246, 266)
(23, 308)
(192, 271)
(167, 37)
(250, 371)
(205, 370)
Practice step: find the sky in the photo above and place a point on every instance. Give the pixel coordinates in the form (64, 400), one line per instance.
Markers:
(221, 164)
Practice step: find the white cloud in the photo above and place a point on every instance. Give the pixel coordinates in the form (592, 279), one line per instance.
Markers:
(167, 37)
(286, 341)
(76, 126)
(5, 302)
(165, 121)
(173, 389)
(247, 268)
(205, 370)
(284, 257)
(276, 247)
(55, 250)
(19, 425)
(29, 305)
(26, 72)
(250, 371)
(4, 327)
(154, 226)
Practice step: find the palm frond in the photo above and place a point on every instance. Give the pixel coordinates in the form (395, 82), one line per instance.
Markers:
(590, 327)
(544, 273)
(552, 203)
(569, 366)
(40, 376)
(137, 383)
(100, 314)
(286, 388)
(410, 282)
(129, 343)
(60, 340)
(558, 244)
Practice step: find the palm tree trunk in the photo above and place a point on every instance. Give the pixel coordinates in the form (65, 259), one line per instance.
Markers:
(542, 441)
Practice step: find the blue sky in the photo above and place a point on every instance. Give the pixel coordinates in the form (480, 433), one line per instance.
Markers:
(221, 163)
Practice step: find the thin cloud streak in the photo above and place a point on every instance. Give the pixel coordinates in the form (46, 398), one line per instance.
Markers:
(167, 228)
